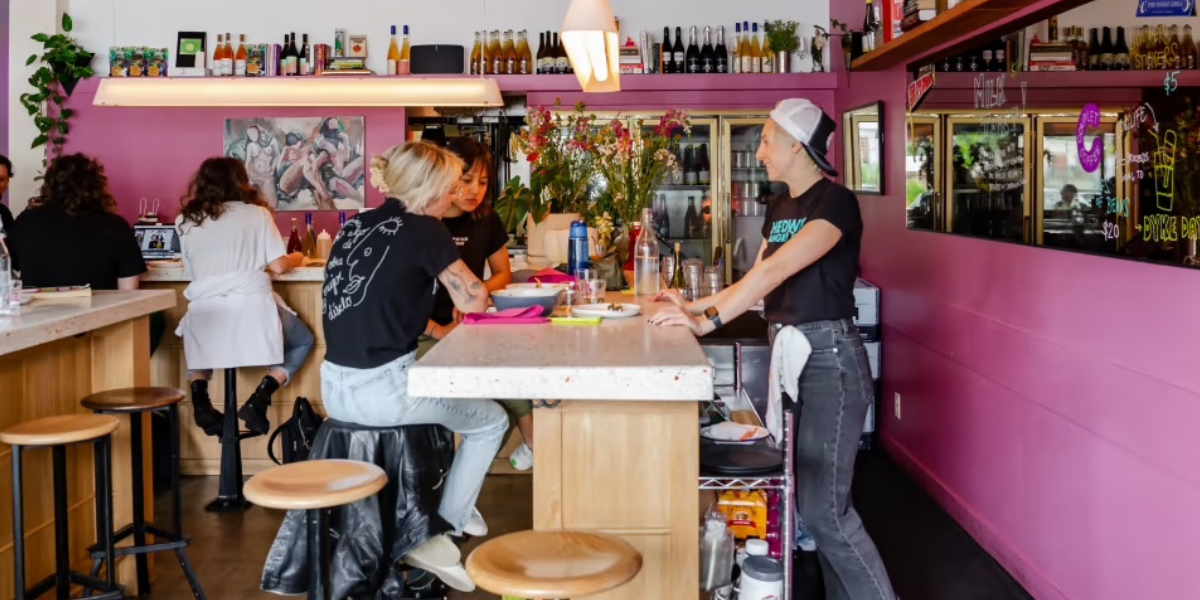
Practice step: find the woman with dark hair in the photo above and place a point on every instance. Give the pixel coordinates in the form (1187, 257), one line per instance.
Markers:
(228, 239)
(74, 235)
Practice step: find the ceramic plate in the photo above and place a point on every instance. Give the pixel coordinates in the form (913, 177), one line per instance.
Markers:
(602, 310)
(753, 433)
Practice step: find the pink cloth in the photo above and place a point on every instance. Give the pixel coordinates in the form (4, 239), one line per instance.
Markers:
(551, 276)
(511, 316)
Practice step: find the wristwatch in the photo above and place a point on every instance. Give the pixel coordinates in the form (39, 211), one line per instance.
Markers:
(712, 315)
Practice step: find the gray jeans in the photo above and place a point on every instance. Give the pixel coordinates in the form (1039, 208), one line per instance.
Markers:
(835, 391)
(379, 397)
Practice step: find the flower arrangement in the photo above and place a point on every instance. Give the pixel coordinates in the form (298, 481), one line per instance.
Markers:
(633, 162)
(560, 150)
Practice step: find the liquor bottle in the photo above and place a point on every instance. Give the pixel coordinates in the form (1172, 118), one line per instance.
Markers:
(309, 246)
(703, 169)
(476, 54)
(229, 55)
(1107, 62)
(692, 221)
(1094, 51)
(1189, 48)
(646, 274)
(393, 55)
(305, 63)
(870, 25)
(524, 55)
(708, 56)
(239, 59)
(756, 53)
(405, 67)
(494, 56)
(721, 53)
(1121, 52)
(735, 64)
(692, 56)
(509, 61)
(294, 244)
(677, 280)
(768, 54)
(678, 54)
(1175, 54)
(690, 175)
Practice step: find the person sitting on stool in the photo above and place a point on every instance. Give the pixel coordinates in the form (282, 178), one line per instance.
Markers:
(228, 237)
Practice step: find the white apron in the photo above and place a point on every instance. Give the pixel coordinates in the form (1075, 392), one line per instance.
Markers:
(232, 321)
(789, 354)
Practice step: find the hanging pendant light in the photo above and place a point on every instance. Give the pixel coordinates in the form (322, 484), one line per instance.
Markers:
(590, 38)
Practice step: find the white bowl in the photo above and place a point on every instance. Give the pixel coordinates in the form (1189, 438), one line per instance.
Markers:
(541, 292)
(534, 286)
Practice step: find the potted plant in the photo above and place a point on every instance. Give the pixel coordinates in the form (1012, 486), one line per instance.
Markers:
(847, 36)
(784, 42)
(64, 64)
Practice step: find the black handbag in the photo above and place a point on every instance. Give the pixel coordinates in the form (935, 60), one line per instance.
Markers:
(297, 432)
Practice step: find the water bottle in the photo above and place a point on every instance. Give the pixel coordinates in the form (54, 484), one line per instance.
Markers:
(10, 299)
(645, 258)
(578, 257)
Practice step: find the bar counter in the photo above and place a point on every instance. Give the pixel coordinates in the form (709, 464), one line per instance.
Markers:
(620, 453)
(52, 355)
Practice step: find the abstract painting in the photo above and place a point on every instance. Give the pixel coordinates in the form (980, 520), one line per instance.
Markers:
(302, 163)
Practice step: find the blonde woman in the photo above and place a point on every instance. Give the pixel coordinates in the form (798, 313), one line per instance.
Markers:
(380, 285)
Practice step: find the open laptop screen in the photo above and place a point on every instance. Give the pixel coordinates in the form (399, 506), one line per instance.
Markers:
(158, 242)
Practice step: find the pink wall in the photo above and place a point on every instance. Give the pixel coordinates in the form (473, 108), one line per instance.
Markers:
(153, 153)
(1049, 398)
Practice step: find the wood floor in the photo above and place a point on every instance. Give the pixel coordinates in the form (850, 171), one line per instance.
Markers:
(228, 550)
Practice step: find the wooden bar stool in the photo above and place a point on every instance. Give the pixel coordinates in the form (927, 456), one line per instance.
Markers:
(315, 486)
(136, 402)
(553, 565)
(57, 433)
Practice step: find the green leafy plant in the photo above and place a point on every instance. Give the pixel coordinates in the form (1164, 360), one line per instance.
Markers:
(782, 35)
(63, 64)
(518, 200)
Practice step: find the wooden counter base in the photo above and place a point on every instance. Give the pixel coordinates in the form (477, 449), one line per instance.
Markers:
(630, 469)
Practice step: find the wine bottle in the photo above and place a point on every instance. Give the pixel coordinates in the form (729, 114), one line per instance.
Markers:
(677, 280)
(1052, 29)
(476, 54)
(218, 62)
(494, 56)
(295, 56)
(721, 53)
(703, 170)
(869, 27)
(680, 57)
(509, 62)
(1189, 48)
(1121, 52)
(285, 59)
(393, 55)
(294, 244)
(692, 56)
(664, 217)
(239, 59)
(405, 67)
(735, 64)
(755, 50)
(692, 221)
(1175, 54)
(690, 173)
(668, 53)
(1094, 51)
(524, 54)
(306, 63)
(768, 54)
(309, 246)
(228, 54)
(708, 57)
(1106, 51)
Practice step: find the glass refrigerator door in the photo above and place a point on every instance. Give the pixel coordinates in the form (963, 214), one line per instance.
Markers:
(923, 174)
(988, 166)
(1073, 204)
(683, 204)
(745, 189)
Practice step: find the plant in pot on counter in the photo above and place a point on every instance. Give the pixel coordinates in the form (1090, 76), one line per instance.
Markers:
(847, 35)
(784, 42)
(64, 64)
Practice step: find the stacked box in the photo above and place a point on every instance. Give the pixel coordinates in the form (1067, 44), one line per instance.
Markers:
(867, 302)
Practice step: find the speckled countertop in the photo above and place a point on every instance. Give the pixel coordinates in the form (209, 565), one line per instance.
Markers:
(41, 322)
(620, 359)
(173, 272)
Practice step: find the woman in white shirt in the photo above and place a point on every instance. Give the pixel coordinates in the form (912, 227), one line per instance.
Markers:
(229, 240)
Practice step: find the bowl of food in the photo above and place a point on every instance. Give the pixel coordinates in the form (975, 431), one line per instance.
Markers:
(546, 297)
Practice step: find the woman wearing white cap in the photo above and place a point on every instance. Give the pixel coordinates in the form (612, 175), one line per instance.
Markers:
(805, 274)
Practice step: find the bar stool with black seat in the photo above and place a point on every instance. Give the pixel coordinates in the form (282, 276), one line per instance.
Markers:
(315, 486)
(230, 497)
(553, 565)
(57, 433)
(136, 402)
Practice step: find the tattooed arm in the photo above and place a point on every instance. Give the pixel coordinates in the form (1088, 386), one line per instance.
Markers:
(467, 292)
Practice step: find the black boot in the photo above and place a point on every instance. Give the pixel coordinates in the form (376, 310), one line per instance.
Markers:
(206, 417)
(254, 411)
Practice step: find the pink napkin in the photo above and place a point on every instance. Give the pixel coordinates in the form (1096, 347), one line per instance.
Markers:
(550, 276)
(510, 316)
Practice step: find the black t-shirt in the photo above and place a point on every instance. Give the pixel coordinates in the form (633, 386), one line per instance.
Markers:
(380, 284)
(477, 239)
(825, 289)
(53, 249)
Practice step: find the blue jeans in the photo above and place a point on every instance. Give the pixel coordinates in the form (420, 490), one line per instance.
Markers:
(379, 397)
(835, 391)
(297, 345)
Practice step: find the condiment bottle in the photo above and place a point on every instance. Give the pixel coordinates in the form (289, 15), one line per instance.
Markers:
(324, 245)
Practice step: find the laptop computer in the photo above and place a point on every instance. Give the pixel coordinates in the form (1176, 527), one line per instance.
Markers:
(158, 242)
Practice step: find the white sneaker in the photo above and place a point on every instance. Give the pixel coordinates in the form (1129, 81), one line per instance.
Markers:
(442, 558)
(522, 458)
(476, 526)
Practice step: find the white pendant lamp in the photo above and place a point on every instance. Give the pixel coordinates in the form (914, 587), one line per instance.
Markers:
(297, 91)
(590, 38)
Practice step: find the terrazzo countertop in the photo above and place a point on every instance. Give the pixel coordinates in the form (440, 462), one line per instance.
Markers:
(41, 322)
(173, 272)
(620, 359)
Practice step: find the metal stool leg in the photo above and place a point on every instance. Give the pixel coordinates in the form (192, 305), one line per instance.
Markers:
(104, 505)
(18, 526)
(317, 558)
(62, 541)
(177, 502)
(139, 502)
(229, 494)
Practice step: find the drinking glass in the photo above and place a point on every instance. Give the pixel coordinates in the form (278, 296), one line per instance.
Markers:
(668, 270)
(10, 295)
(595, 290)
(587, 274)
(693, 272)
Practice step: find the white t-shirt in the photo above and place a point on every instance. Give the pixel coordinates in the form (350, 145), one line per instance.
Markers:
(243, 239)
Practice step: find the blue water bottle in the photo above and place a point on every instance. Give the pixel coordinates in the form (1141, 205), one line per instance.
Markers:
(577, 248)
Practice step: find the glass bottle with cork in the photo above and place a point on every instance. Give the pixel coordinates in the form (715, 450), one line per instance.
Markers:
(294, 244)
